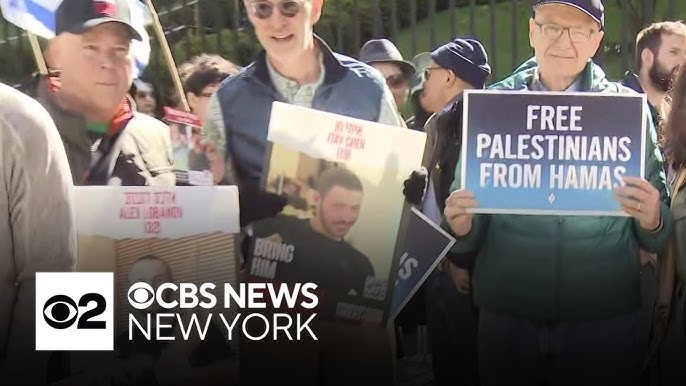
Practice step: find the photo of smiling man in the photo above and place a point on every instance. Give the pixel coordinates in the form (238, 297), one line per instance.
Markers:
(291, 249)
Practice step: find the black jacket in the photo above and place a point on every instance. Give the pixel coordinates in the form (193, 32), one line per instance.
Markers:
(443, 158)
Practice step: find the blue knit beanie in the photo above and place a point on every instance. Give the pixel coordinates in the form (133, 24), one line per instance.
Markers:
(466, 58)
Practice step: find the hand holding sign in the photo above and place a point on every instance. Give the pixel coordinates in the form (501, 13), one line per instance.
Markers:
(456, 207)
(640, 200)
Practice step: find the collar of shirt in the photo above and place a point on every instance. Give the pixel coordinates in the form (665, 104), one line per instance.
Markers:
(537, 85)
(123, 115)
(296, 94)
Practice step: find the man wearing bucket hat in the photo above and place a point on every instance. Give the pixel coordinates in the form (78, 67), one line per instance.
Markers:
(559, 296)
(383, 55)
(451, 319)
(421, 113)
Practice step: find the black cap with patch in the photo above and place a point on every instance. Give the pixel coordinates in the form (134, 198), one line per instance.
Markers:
(77, 16)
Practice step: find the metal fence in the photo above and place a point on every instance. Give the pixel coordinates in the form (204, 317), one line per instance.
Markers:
(221, 26)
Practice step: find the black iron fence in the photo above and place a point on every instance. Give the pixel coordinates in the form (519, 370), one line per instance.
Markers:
(221, 26)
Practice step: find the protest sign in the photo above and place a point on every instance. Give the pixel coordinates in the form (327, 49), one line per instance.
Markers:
(551, 153)
(343, 179)
(191, 229)
(426, 244)
(158, 236)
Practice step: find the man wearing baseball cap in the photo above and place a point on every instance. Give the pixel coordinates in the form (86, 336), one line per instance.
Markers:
(90, 64)
(559, 296)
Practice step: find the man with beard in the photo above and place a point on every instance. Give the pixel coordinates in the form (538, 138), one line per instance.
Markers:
(291, 250)
(660, 50)
(320, 253)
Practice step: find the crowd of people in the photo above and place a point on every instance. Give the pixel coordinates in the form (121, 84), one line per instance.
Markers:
(530, 300)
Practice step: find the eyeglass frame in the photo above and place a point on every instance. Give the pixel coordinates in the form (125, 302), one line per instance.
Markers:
(428, 70)
(279, 5)
(588, 33)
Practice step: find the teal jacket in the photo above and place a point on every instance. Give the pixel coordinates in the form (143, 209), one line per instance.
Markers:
(563, 268)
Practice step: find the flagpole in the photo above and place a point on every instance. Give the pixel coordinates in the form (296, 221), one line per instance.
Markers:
(37, 53)
(168, 55)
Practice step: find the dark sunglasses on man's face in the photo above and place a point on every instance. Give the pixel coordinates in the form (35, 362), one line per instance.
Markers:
(396, 81)
(288, 8)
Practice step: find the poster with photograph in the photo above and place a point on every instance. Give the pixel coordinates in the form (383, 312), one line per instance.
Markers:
(190, 152)
(343, 179)
(158, 235)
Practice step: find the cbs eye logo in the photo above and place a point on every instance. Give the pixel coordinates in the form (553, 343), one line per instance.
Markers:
(141, 295)
(77, 309)
(61, 312)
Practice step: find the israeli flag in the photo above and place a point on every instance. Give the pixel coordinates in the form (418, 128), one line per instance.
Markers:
(38, 17)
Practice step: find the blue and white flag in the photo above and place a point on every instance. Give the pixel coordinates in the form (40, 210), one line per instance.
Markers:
(38, 17)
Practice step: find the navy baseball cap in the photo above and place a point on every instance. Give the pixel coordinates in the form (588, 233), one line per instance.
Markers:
(78, 16)
(593, 8)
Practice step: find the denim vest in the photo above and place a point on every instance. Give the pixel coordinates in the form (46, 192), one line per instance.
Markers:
(350, 88)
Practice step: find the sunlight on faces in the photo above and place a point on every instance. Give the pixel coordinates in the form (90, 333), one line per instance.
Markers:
(285, 38)
(561, 58)
(437, 81)
(672, 52)
(338, 211)
(670, 55)
(95, 67)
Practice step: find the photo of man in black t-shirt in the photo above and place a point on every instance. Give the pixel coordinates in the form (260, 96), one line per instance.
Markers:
(288, 249)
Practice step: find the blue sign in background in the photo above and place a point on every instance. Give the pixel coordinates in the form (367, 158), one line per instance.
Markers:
(496, 112)
(425, 246)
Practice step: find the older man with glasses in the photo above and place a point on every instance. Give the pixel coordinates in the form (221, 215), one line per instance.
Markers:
(296, 67)
(559, 296)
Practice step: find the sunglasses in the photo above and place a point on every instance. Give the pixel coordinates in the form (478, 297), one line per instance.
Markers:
(427, 71)
(396, 81)
(288, 8)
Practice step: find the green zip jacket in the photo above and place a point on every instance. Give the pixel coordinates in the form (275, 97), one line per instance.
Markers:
(564, 268)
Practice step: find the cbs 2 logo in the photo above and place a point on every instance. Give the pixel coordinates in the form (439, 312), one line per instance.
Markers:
(61, 311)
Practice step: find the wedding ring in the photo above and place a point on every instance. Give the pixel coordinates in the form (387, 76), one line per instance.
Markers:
(639, 206)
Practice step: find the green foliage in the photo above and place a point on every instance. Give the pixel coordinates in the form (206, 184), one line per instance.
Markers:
(347, 24)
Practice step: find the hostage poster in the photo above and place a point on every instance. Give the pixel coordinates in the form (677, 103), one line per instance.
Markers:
(157, 235)
(343, 179)
(551, 153)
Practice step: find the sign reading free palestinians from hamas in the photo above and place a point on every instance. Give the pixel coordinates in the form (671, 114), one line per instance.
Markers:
(551, 153)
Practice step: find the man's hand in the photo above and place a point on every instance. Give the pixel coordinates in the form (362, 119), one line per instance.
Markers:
(415, 186)
(640, 200)
(456, 207)
(461, 278)
(257, 204)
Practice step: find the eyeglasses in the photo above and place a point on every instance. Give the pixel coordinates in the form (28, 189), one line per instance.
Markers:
(576, 34)
(396, 81)
(288, 8)
(427, 71)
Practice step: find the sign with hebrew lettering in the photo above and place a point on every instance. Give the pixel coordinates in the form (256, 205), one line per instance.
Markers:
(343, 181)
